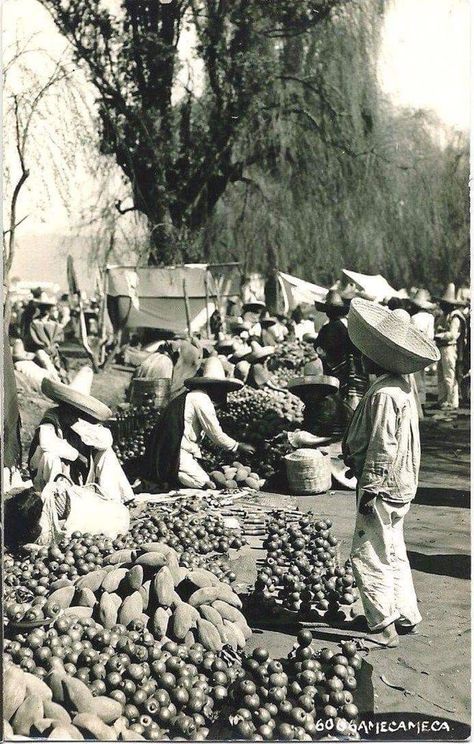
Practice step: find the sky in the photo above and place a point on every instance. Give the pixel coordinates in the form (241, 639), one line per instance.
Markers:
(423, 63)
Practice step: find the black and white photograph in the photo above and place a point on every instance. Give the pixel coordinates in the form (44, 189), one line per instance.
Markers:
(236, 370)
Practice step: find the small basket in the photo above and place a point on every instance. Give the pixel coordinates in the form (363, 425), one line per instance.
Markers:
(308, 471)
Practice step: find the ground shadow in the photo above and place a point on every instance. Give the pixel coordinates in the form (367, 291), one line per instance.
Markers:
(458, 566)
(427, 496)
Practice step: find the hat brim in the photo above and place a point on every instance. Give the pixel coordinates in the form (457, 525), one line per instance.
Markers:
(423, 305)
(235, 359)
(324, 383)
(411, 354)
(61, 393)
(229, 384)
(48, 303)
(249, 306)
(453, 303)
(267, 322)
(263, 353)
(323, 306)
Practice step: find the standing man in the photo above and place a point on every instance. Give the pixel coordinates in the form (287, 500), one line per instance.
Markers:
(449, 337)
(423, 319)
(382, 449)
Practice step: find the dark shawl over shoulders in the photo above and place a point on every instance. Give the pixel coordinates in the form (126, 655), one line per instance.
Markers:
(161, 461)
(12, 421)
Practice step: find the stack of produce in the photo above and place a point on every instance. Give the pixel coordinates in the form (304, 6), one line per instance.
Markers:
(80, 681)
(236, 475)
(307, 696)
(300, 571)
(131, 429)
(289, 359)
(255, 415)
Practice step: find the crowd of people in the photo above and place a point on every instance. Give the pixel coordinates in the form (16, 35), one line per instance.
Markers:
(365, 388)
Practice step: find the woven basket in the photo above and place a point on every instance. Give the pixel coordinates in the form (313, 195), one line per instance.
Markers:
(308, 471)
(142, 389)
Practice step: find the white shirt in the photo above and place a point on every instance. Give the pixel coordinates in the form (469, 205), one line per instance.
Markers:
(424, 322)
(200, 418)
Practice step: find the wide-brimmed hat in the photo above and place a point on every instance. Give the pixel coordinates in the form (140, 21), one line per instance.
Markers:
(240, 351)
(332, 301)
(449, 296)
(18, 351)
(388, 338)
(255, 306)
(77, 394)
(225, 345)
(213, 376)
(268, 320)
(313, 377)
(242, 370)
(259, 353)
(45, 299)
(422, 300)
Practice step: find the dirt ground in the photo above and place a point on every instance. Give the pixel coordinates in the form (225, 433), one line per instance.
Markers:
(427, 678)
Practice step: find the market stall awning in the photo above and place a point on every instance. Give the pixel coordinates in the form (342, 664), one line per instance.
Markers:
(375, 286)
(298, 291)
(153, 297)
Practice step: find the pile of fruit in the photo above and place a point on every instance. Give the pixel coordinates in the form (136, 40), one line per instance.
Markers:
(76, 680)
(307, 696)
(301, 571)
(131, 429)
(289, 359)
(257, 415)
(236, 476)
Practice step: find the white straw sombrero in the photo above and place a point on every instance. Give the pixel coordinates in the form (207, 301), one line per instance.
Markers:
(259, 353)
(388, 338)
(313, 377)
(213, 376)
(76, 394)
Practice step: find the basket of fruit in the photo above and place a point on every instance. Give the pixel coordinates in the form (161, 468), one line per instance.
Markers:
(308, 471)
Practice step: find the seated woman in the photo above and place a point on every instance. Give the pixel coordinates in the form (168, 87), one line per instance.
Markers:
(70, 440)
(173, 452)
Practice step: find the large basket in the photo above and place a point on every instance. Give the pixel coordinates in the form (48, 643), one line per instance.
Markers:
(142, 390)
(308, 471)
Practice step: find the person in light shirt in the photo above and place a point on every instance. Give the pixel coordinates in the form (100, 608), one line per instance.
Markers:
(423, 319)
(71, 441)
(173, 451)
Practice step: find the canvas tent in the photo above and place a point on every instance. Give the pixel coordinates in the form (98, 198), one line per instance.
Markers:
(298, 291)
(152, 297)
(374, 286)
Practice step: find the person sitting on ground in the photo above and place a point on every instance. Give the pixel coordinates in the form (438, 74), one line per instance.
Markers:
(259, 375)
(382, 448)
(45, 333)
(172, 456)
(71, 441)
(421, 311)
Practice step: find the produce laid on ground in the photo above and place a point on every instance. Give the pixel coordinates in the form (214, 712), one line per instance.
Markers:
(289, 358)
(300, 572)
(131, 428)
(306, 696)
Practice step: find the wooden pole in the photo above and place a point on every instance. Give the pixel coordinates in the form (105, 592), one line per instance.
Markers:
(186, 305)
(208, 320)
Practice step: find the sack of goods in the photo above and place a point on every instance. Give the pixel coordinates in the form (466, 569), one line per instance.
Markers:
(308, 471)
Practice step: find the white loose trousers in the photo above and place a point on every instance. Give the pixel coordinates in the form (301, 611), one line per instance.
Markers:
(381, 567)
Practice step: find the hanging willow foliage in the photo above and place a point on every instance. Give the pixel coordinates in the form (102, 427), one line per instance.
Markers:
(344, 179)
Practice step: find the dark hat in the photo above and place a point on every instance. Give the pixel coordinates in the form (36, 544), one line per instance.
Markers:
(332, 301)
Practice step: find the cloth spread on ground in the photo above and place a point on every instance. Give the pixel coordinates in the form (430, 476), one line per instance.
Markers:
(382, 443)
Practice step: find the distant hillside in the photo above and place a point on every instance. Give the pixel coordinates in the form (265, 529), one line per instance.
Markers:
(43, 257)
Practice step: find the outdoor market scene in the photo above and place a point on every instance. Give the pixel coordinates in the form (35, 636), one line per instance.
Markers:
(236, 483)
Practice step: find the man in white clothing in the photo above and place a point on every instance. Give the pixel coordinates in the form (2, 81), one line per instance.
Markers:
(173, 452)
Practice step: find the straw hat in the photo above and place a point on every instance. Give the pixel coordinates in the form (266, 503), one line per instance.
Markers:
(422, 300)
(225, 345)
(242, 370)
(255, 306)
(213, 375)
(77, 394)
(333, 300)
(389, 338)
(241, 351)
(259, 353)
(45, 299)
(313, 377)
(449, 296)
(18, 351)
